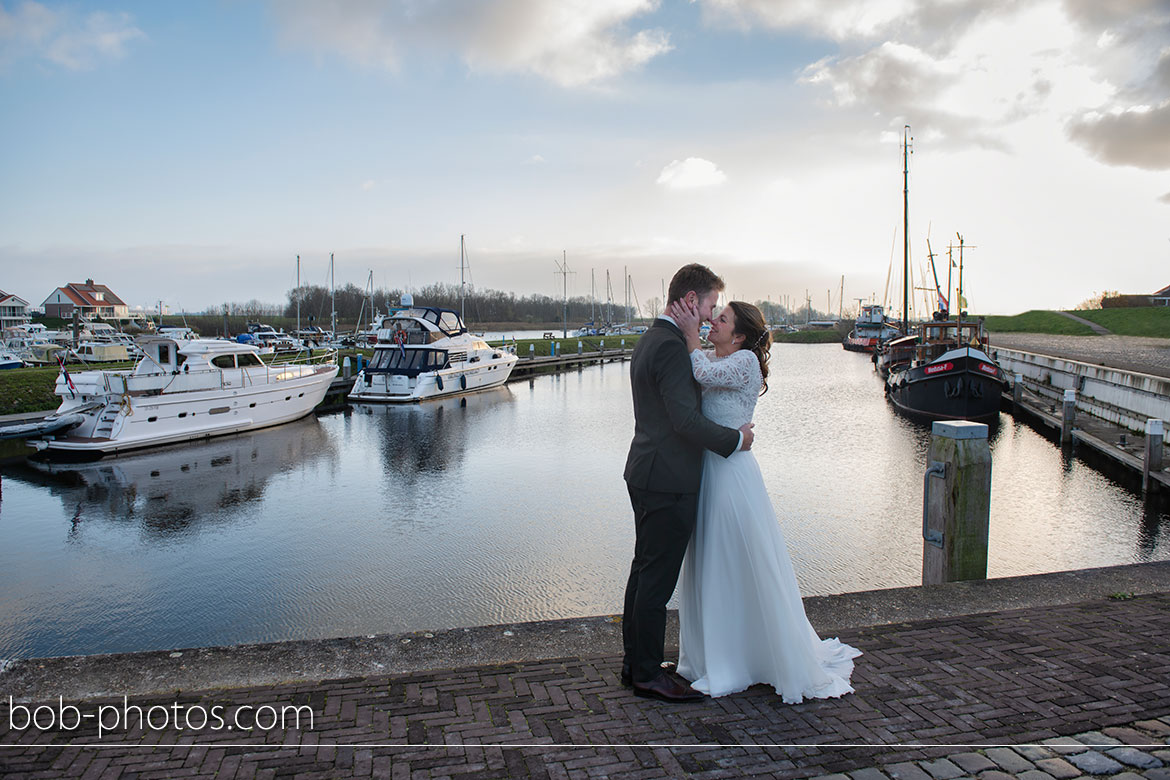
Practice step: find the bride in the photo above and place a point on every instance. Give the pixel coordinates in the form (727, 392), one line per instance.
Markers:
(741, 619)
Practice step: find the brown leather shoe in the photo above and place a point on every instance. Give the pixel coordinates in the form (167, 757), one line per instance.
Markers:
(669, 688)
(667, 666)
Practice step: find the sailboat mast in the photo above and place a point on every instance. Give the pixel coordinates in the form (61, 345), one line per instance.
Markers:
(906, 229)
(332, 299)
(298, 293)
(462, 264)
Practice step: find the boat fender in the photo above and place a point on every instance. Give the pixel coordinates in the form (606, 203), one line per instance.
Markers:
(438, 381)
(463, 382)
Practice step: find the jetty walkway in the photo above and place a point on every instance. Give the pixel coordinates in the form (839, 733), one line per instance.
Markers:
(1059, 676)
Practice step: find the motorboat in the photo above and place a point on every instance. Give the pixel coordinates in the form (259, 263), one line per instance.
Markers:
(426, 352)
(99, 352)
(10, 360)
(182, 389)
(951, 375)
(870, 330)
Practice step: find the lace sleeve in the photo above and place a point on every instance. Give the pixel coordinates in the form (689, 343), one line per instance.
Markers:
(739, 370)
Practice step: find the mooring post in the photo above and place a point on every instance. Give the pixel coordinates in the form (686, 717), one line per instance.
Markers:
(1153, 460)
(346, 367)
(956, 503)
(580, 348)
(1017, 392)
(531, 350)
(1068, 416)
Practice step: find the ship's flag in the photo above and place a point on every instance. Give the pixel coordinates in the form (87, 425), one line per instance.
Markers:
(942, 303)
(68, 379)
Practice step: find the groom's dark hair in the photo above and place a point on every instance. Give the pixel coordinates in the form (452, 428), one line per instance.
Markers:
(695, 277)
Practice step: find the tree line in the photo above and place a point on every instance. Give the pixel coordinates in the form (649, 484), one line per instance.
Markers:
(353, 306)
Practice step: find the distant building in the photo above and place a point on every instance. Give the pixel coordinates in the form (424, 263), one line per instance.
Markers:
(93, 300)
(1162, 297)
(13, 311)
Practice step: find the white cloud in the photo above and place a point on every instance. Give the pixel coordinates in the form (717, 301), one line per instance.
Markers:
(64, 37)
(535, 159)
(691, 173)
(369, 184)
(570, 43)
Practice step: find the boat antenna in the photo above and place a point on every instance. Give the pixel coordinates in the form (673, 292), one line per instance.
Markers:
(961, 300)
(563, 271)
(907, 140)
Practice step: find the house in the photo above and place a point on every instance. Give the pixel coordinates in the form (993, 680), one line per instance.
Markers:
(1162, 297)
(92, 300)
(13, 311)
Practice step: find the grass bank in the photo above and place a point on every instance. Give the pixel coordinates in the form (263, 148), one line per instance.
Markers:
(28, 390)
(1149, 321)
(1037, 321)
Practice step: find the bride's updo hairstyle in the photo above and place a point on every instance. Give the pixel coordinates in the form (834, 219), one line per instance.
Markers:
(749, 323)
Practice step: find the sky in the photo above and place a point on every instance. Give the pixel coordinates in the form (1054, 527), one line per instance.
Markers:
(189, 152)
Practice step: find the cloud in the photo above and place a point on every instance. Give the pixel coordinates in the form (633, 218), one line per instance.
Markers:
(1139, 137)
(691, 173)
(535, 159)
(570, 43)
(64, 37)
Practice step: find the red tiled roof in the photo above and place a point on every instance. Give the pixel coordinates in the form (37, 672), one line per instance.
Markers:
(1165, 291)
(83, 295)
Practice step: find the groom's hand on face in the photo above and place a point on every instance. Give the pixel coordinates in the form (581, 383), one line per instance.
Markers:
(748, 436)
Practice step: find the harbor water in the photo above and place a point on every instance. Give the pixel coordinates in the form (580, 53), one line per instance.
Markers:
(505, 506)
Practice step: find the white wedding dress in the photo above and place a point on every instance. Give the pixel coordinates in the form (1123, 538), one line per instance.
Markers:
(741, 619)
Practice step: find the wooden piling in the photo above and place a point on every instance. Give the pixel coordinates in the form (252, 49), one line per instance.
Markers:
(956, 503)
(1068, 417)
(1153, 456)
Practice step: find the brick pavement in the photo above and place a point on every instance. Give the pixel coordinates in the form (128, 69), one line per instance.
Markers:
(1094, 673)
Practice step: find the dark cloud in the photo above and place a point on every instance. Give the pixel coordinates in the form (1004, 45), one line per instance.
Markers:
(1137, 138)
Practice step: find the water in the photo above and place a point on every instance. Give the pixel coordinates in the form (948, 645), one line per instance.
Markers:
(510, 507)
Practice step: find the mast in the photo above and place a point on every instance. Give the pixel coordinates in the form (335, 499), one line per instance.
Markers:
(462, 263)
(906, 139)
(592, 298)
(332, 299)
(841, 299)
(298, 295)
(563, 270)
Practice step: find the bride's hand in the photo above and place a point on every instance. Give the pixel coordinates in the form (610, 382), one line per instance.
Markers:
(688, 321)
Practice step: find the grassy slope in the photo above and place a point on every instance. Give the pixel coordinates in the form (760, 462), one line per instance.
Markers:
(1037, 321)
(1151, 321)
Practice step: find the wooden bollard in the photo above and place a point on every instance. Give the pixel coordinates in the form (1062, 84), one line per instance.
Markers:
(956, 503)
(1068, 416)
(1153, 459)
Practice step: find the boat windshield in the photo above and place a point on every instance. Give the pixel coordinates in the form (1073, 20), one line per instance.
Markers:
(411, 362)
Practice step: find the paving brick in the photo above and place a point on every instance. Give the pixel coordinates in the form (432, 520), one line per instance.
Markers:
(1064, 745)
(1033, 752)
(1058, 768)
(1092, 762)
(1134, 757)
(1009, 760)
(1096, 738)
(941, 769)
(1034, 774)
(1157, 774)
(906, 770)
(972, 763)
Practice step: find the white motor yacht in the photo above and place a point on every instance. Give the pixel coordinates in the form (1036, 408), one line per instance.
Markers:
(180, 390)
(426, 352)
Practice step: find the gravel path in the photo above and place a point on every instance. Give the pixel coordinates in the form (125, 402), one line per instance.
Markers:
(1130, 353)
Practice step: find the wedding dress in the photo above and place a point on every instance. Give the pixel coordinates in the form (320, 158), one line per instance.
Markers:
(741, 619)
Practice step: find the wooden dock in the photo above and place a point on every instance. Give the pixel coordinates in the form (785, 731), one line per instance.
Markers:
(1122, 448)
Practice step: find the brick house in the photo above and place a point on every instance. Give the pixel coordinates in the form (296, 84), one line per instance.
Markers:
(93, 300)
(13, 311)
(1162, 297)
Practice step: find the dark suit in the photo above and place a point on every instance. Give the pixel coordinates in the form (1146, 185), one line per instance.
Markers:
(662, 475)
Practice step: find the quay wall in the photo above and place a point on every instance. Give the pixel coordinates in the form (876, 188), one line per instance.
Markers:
(1126, 398)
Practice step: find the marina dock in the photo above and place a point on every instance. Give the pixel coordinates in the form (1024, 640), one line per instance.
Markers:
(1100, 410)
(1063, 675)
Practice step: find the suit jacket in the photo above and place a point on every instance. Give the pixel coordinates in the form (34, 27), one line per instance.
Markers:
(670, 431)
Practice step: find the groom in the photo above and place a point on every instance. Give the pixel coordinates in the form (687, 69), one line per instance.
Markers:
(662, 476)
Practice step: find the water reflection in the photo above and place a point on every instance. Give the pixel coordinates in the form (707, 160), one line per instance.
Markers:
(501, 506)
(431, 436)
(172, 492)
